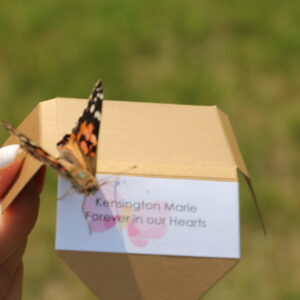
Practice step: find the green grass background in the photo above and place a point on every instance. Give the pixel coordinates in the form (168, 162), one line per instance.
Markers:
(243, 56)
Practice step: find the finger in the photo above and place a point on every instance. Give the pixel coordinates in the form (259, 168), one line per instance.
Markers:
(39, 179)
(17, 221)
(10, 279)
(15, 290)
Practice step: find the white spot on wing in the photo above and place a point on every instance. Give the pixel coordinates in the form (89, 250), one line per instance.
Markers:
(97, 116)
(100, 96)
(92, 108)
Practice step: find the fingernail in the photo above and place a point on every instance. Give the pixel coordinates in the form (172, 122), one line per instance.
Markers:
(11, 158)
(9, 154)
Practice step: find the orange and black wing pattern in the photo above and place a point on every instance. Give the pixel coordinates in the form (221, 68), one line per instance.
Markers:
(38, 152)
(85, 133)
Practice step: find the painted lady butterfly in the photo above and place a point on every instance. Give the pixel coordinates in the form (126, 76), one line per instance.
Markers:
(77, 151)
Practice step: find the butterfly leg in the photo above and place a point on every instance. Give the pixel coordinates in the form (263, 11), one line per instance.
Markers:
(67, 193)
(83, 213)
(108, 180)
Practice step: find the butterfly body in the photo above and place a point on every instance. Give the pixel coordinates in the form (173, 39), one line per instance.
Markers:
(77, 151)
(82, 178)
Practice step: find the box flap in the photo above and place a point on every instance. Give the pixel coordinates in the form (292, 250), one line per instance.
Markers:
(147, 277)
(232, 143)
(40, 126)
(164, 140)
(237, 156)
(30, 126)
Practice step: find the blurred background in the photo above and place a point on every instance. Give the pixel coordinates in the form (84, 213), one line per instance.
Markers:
(243, 56)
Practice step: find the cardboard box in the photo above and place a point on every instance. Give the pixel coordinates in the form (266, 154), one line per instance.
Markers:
(178, 234)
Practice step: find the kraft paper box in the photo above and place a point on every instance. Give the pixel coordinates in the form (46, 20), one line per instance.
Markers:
(165, 223)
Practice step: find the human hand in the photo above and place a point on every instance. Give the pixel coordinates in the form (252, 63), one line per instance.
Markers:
(16, 222)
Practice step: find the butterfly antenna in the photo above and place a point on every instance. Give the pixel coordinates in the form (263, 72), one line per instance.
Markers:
(113, 178)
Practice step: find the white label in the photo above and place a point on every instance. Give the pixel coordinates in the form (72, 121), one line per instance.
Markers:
(156, 216)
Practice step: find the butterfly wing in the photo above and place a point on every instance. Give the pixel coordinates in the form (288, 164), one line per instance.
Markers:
(80, 147)
(38, 152)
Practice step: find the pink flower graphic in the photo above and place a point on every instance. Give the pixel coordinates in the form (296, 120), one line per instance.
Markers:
(99, 215)
(146, 225)
(104, 210)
